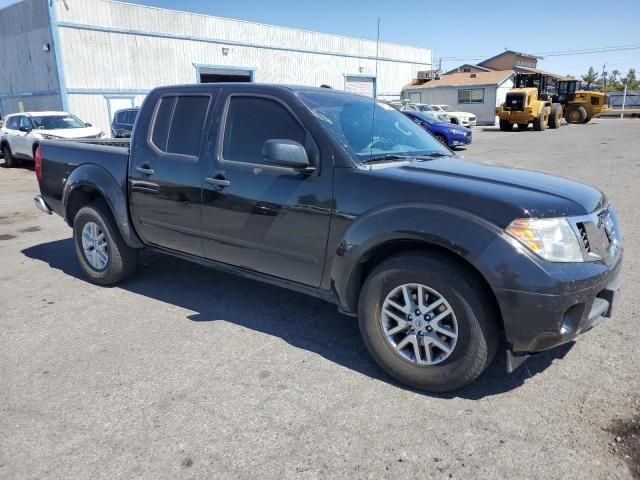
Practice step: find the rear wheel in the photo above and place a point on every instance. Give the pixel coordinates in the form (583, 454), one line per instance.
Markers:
(9, 159)
(575, 114)
(506, 125)
(587, 120)
(556, 116)
(540, 122)
(426, 323)
(523, 126)
(103, 255)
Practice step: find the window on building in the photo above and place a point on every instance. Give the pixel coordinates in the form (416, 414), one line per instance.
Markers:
(251, 121)
(471, 95)
(178, 124)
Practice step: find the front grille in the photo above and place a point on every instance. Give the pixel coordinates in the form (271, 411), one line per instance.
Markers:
(584, 239)
(599, 235)
(514, 102)
(472, 119)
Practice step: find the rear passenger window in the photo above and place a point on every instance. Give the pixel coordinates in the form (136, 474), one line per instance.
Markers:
(251, 121)
(179, 123)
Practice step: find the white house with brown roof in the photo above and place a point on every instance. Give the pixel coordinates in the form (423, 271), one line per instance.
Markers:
(475, 92)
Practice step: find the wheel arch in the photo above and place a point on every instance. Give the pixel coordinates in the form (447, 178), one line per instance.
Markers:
(458, 235)
(89, 183)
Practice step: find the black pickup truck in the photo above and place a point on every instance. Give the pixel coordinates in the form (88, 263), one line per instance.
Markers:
(346, 199)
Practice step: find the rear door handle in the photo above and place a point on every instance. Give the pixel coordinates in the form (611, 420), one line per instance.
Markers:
(145, 170)
(218, 181)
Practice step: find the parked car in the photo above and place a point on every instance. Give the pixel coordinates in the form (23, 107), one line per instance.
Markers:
(423, 107)
(441, 259)
(448, 134)
(465, 119)
(23, 132)
(123, 121)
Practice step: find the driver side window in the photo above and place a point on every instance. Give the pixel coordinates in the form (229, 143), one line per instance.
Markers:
(250, 122)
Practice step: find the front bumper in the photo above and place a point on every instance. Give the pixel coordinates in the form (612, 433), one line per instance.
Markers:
(545, 304)
(459, 140)
(538, 322)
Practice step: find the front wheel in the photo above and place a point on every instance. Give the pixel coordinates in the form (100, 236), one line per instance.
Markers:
(426, 323)
(506, 125)
(104, 256)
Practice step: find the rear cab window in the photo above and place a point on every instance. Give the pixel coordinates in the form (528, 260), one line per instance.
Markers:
(178, 124)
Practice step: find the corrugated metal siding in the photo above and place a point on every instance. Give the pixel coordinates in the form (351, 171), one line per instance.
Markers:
(107, 62)
(24, 66)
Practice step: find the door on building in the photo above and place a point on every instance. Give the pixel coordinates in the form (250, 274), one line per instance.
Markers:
(222, 74)
(117, 103)
(360, 85)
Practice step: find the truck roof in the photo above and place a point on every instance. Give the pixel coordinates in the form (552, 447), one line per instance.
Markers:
(249, 85)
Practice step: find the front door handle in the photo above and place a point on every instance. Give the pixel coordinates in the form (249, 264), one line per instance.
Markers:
(218, 180)
(145, 170)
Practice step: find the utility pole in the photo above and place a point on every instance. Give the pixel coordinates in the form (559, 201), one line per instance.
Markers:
(624, 98)
(604, 80)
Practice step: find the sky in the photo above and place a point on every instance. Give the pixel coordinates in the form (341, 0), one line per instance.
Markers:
(471, 29)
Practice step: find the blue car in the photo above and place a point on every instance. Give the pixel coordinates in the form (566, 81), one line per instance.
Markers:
(448, 133)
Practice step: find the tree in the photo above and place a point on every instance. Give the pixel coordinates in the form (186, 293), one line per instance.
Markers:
(632, 81)
(590, 77)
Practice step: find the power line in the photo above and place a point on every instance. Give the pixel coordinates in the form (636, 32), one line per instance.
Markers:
(584, 51)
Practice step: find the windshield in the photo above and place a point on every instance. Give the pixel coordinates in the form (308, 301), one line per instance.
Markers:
(426, 108)
(57, 122)
(349, 118)
(447, 108)
(428, 118)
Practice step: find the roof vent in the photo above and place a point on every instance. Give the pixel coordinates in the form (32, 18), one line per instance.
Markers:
(473, 75)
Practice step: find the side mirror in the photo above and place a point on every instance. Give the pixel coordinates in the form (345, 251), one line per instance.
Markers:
(24, 129)
(88, 125)
(286, 153)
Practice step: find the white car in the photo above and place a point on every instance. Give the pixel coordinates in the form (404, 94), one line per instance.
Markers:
(22, 132)
(424, 107)
(465, 119)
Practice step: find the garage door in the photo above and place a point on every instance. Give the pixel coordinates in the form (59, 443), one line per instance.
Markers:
(360, 85)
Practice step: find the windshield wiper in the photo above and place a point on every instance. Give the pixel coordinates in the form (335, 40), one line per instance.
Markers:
(432, 155)
(390, 157)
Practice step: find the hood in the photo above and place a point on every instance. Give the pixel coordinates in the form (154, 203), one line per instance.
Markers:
(451, 126)
(498, 194)
(71, 133)
(462, 114)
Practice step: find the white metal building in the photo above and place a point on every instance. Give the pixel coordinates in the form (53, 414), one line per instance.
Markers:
(475, 92)
(92, 57)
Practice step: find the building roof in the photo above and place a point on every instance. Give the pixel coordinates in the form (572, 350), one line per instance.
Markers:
(464, 79)
(510, 52)
(543, 72)
(467, 65)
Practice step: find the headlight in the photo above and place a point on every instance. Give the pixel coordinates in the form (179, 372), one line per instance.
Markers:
(50, 137)
(453, 130)
(552, 239)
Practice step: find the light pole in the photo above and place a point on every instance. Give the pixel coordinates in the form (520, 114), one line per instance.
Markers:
(624, 97)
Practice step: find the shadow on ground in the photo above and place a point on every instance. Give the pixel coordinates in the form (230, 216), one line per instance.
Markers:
(302, 321)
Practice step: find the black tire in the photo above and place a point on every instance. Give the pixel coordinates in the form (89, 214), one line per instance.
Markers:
(506, 125)
(454, 121)
(441, 139)
(575, 114)
(478, 334)
(523, 126)
(556, 116)
(122, 259)
(540, 122)
(587, 120)
(9, 160)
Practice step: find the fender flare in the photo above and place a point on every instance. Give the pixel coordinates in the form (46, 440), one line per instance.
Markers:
(460, 232)
(97, 178)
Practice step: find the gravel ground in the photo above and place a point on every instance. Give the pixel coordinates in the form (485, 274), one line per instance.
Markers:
(185, 372)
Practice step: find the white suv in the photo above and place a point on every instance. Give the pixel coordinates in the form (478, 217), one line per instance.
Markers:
(22, 132)
(465, 119)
